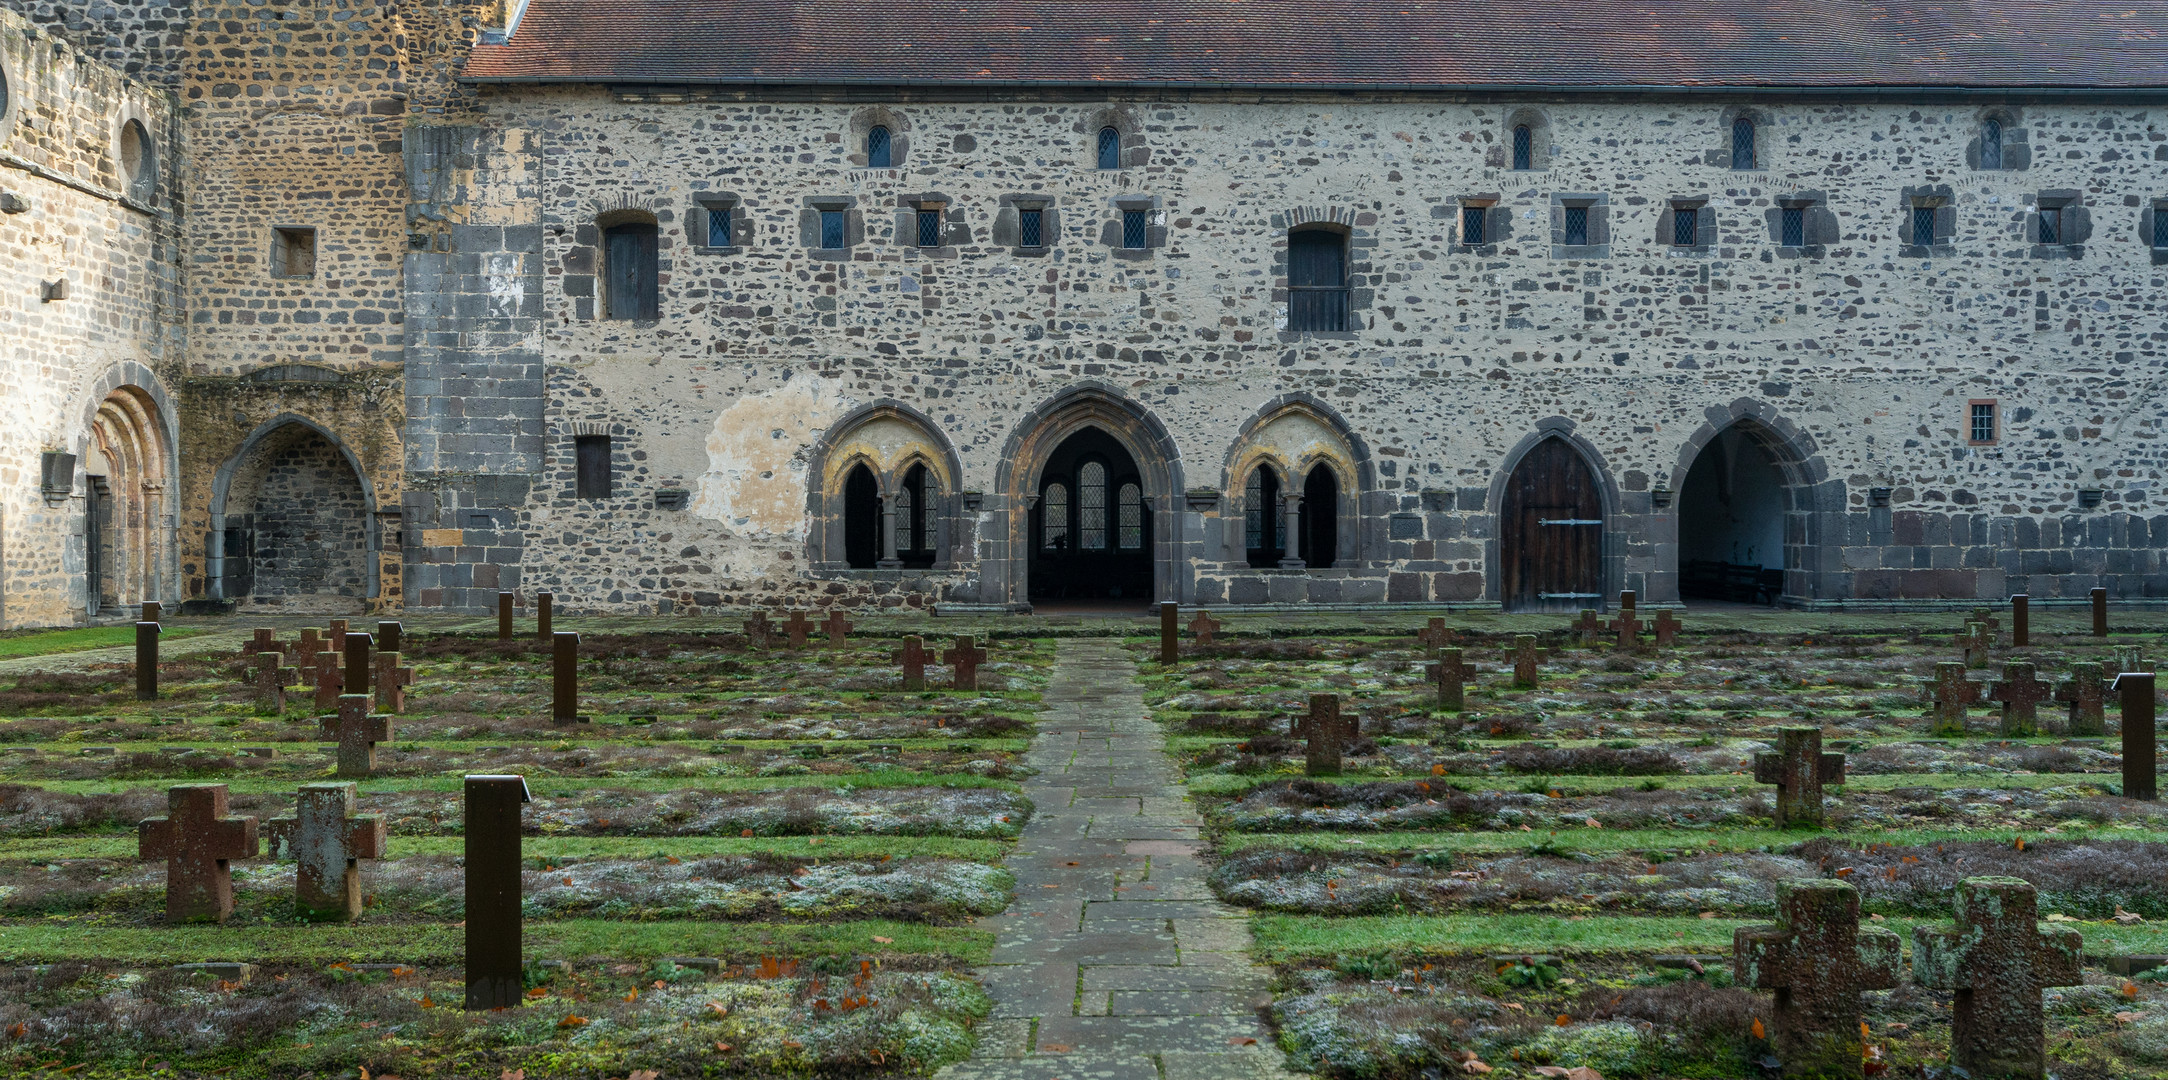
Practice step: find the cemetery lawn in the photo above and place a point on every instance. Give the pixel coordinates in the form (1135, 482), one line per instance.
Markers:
(759, 862)
(1550, 878)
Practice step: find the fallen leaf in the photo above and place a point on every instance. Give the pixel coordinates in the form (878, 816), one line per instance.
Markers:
(644, 1074)
(722, 1047)
(1578, 1072)
(428, 1004)
(2127, 1017)
(571, 1021)
(1473, 1066)
(1563, 1020)
(1055, 1048)
(537, 992)
(632, 994)
(512, 1074)
(1759, 1031)
(884, 940)
(2127, 918)
(1244, 1040)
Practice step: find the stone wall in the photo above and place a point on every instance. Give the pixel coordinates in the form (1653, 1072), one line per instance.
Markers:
(300, 507)
(1853, 358)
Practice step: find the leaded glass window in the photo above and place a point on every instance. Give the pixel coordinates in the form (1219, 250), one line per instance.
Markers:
(1524, 148)
(1795, 226)
(1129, 505)
(1253, 511)
(1685, 225)
(1991, 144)
(879, 149)
(2160, 226)
(1030, 228)
(719, 226)
(2051, 224)
(1923, 226)
(1133, 230)
(1742, 143)
(1091, 506)
(1471, 225)
(832, 231)
(906, 518)
(929, 228)
(1110, 148)
(1576, 226)
(1054, 518)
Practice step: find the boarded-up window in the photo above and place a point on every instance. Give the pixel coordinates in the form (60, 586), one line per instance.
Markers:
(629, 266)
(1316, 281)
(591, 456)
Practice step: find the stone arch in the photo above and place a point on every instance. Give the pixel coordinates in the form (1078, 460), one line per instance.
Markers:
(287, 483)
(1538, 124)
(1041, 431)
(1722, 155)
(1297, 432)
(1135, 152)
(1810, 496)
(2016, 154)
(1559, 429)
(888, 437)
(862, 124)
(129, 454)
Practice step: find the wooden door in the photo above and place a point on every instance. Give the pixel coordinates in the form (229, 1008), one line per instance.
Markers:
(1550, 544)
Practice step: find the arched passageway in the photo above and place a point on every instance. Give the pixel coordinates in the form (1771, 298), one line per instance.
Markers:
(1091, 530)
(1734, 509)
(294, 520)
(125, 537)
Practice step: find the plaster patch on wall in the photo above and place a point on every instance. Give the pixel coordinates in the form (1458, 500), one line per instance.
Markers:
(755, 481)
(888, 444)
(1298, 440)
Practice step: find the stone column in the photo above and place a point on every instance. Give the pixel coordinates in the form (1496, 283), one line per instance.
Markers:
(1291, 527)
(889, 561)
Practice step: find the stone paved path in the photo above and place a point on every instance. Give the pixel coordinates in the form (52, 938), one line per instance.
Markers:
(1115, 962)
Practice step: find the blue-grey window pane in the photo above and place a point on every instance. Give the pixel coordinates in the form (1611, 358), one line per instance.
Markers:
(1524, 148)
(2051, 225)
(1110, 148)
(878, 153)
(1133, 230)
(1685, 224)
(1253, 511)
(1991, 145)
(719, 226)
(1130, 508)
(1923, 226)
(1054, 518)
(1742, 143)
(1576, 226)
(929, 228)
(831, 228)
(1983, 423)
(1795, 226)
(1029, 228)
(1471, 225)
(2160, 226)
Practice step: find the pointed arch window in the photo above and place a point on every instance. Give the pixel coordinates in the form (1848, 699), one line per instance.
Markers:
(1054, 518)
(880, 148)
(1991, 144)
(915, 519)
(1110, 148)
(1742, 143)
(1318, 542)
(1524, 148)
(1261, 522)
(861, 519)
(1091, 506)
(1129, 510)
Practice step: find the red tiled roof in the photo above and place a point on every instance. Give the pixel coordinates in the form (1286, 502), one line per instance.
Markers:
(1345, 43)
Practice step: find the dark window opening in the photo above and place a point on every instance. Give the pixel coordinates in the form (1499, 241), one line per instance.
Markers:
(1991, 145)
(2160, 226)
(591, 456)
(832, 230)
(1577, 226)
(879, 149)
(1685, 225)
(719, 226)
(1110, 148)
(1134, 233)
(1524, 148)
(1795, 226)
(915, 518)
(1054, 515)
(629, 263)
(1923, 226)
(1317, 294)
(1261, 521)
(1031, 228)
(929, 228)
(1742, 143)
(861, 519)
(1983, 422)
(2051, 224)
(1471, 224)
(1319, 526)
(293, 253)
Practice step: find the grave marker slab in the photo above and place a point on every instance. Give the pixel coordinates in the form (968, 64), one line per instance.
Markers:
(324, 674)
(391, 682)
(837, 626)
(493, 890)
(1667, 629)
(759, 632)
(2020, 695)
(2084, 691)
(357, 663)
(545, 604)
(965, 658)
(1526, 658)
(913, 657)
(798, 628)
(271, 680)
(1203, 628)
(1974, 644)
(357, 732)
(1998, 958)
(198, 842)
(327, 840)
(390, 636)
(1327, 734)
(151, 611)
(2140, 778)
(2020, 620)
(1170, 633)
(1451, 675)
(1818, 959)
(505, 603)
(146, 661)
(1951, 695)
(2100, 612)
(565, 677)
(1799, 768)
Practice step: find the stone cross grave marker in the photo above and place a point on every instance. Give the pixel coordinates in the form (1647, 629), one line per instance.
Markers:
(2131, 658)
(837, 626)
(545, 604)
(2020, 620)
(146, 661)
(1436, 635)
(1589, 626)
(262, 640)
(505, 604)
(323, 673)
(1818, 959)
(1203, 627)
(1987, 618)
(2084, 691)
(1526, 657)
(565, 677)
(494, 962)
(1327, 734)
(391, 682)
(2020, 695)
(798, 628)
(335, 636)
(1452, 678)
(2100, 612)
(1799, 768)
(1951, 695)
(1997, 959)
(1974, 644)
(965, 658)
(357, 662)
(272, 679)
(1170, 633)
(913, 657)
(2140, 779)
(1628, 624)
(327, 840)
(310, 645)
(1667, 629)
(358, 731)
(390, 636)
(759, 632)
(198, 842)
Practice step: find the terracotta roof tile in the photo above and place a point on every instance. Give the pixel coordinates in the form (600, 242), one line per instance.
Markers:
(1381, 43)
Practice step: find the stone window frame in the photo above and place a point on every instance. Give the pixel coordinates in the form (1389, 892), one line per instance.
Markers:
(862, 124)
(141, 185)
(2077, 224)
(1818, 225)
(1497, 223)
(1136, 152)
(1362, 273)
(1667, 222)
(2016, 146)
(1943, 199)
(1995, 407)
(955, 229)
(809, 226)
(1720, 158)
(1155, 227)
(1500, 155)
(10, 103)
(1007, 230)
(1598, 205)
(280, 259)
(953, 511)
(696, 223)
(2150, 210)
(1346, 455)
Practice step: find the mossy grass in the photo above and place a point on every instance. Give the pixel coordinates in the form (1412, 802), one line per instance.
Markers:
(50, 642)
(573, 785)
(122, 845)
(1604, 841)
(1234, 784)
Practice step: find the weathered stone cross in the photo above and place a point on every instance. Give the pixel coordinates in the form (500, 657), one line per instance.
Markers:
(1628, 624)
(1667, 629)
(337, 636)
(262, 641)
(1997, 959)
(1202, 627)
(1799, 768)
(358, 733)
(798, 627)
(327, 840)
(1452, 678)
(323, 674)
(2084, 691)
(310, 645)
(1436, 635)
(1975, 643)
(1525, 658)
(913, 657)
(1589, 626)
(965, 658)
(1327, 733)
(1818, 959)
(759, 632)
(272, 679)
(198, 842)
(2020, 694)
(1987, 618)
(1951, 695)
(391, 682)
(837, 627)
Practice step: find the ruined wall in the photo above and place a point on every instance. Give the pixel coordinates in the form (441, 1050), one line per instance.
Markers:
(71, 212)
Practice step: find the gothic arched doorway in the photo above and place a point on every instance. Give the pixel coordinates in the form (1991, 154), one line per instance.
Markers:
(1550, 535)
(1733, 512)
(124, 533)
(1091, 531)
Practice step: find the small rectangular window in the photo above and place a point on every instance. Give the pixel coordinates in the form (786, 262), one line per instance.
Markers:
(1923, 226)
(1795, 226)
(2160, 225)
(1685, 225)
(719, 226)
(293, 253)
(1983, 422)
(1471, 224)
(1030, 230)
(1577, 226)
(2051, 224)
(832, 232)
(1134, 232)
(929, 227)
(591, 454)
